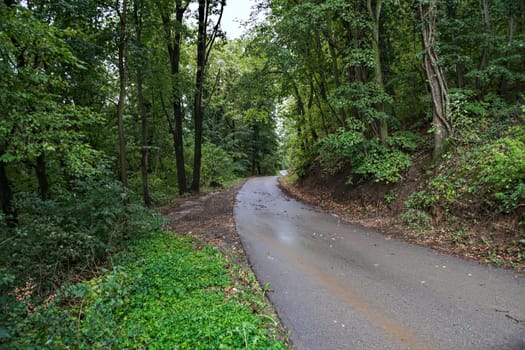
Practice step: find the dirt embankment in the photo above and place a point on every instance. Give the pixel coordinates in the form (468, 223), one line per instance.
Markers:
(493, 240)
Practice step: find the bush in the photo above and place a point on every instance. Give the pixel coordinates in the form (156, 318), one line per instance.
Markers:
(368, 159)
(384, 164)
(70, 232)
(492, 174)
(57, 239)
(217, 166)
(483, 173)
(339, 149)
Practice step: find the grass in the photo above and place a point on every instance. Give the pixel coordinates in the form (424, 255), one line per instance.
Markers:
(163, 292)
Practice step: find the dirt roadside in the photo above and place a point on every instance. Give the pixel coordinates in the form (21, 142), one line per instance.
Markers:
(209, 217)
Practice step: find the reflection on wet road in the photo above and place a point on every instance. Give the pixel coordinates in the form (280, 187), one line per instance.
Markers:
(339, 286)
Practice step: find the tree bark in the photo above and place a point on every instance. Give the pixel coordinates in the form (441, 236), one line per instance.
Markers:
(143, 112)
(173, 38)
(375, 14)
(436, 78)
(41, 175)
(122, 53)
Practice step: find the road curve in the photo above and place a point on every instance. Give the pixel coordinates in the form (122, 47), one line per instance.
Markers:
(337, 285)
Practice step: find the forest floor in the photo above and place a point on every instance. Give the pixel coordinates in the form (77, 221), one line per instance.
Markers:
(492, 240)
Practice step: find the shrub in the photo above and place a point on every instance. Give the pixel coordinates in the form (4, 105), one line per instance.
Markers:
(369, 159)
(485, 172)
(72, 231)
(338, 149)
(384, 164)
(217, 165)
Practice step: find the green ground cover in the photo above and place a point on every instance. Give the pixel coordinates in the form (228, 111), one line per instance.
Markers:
(162, 292)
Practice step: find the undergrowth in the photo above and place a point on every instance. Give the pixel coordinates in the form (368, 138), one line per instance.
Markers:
(162, 292)
(368, 158)
(475, 193)
(479, 178)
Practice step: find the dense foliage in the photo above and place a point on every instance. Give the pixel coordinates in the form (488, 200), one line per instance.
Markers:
(367, 83)
(482, 175)
(96, 113)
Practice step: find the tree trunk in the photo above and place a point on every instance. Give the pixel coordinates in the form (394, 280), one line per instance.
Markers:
(342, 116)
(436, 77)
(255, 147)
(122, 53)
(485, 55)
(199, 83)
(41, 175)
(173, 38)
(375, 14)
(6, 198)
(460, 69)
(204, 47)
(143, 113)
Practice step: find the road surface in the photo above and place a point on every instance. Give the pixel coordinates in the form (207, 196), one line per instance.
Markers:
(340, 286)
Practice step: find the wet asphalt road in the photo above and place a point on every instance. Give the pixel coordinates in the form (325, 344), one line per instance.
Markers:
(340, 286)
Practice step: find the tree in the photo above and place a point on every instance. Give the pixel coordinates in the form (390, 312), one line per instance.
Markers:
(487, 33)
(40, 122)
(122, 71)
(204, 47)
(427, 11)
(173, 36)
(143, 106)
(375, 14)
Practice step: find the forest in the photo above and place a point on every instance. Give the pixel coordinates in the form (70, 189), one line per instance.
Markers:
(110, 109)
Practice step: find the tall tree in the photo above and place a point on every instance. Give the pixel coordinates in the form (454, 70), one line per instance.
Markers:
(143, 108)
(122, 56)
(436, 78)
(375, 15)
(39, 119)
(173, 34)
(486, 41)
(204, 47)
(6, 195)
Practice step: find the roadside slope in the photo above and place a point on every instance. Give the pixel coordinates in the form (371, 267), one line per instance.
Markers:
(483, 238)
